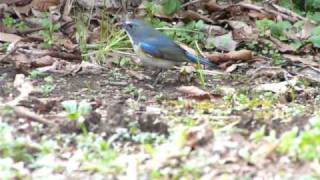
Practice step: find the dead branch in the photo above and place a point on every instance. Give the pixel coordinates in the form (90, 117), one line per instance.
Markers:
(26, 113)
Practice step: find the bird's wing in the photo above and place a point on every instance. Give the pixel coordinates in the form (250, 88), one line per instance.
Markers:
(163, 48)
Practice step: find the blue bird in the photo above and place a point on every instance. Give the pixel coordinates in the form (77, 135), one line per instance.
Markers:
(155, 49)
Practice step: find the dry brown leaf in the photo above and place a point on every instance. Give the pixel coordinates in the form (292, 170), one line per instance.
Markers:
(195, 92)
(68, 44)
(22, 62)
(212, 6)
(281, 46)
(244, 55)
(192, 15)
(22, 10)
(259, 15)
(278, 88)
(6, 37)
(135, 74)
(44, 5)
(43, 61)
(263, 152)
(306, 30)
(311, 73)
(44, 105)
(24, 86)
(305, 60)
(199, 136)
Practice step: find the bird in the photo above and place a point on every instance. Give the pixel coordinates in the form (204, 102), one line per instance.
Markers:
(156, 49)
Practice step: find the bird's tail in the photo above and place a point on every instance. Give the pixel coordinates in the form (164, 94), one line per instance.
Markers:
(200, 60)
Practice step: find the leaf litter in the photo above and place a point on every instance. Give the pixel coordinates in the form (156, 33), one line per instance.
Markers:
(267, 84)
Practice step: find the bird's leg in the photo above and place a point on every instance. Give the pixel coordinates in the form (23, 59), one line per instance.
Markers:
(158, 75)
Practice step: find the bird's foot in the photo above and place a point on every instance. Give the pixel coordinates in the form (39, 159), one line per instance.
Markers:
(158, 76)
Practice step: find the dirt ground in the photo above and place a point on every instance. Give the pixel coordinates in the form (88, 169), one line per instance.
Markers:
(157, 110)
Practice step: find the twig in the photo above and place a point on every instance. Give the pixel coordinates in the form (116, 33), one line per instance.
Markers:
(117, 83)
(63, 55)
(190, 3)
(24, 112)
(286, 11)
(8, 54)
(56, 54)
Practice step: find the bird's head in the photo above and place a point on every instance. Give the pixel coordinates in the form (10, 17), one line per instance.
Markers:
(136, 29)
(132, 25)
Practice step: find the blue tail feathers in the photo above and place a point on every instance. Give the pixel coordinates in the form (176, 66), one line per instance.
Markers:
(200, 60)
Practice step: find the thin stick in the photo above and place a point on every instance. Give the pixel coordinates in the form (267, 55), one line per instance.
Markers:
(190, 3)
(24, 112)
(8, 54)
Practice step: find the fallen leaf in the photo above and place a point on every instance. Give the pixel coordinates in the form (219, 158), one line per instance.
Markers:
(44, 105)
(194, 92)
(263, 152)
(224, 42)
(233, 67)
(281, 46)
(310, 73)
(199, 136)
(43, 61)
(135, 74)
(306, 60)
(306, 30)
(22, 62)
(212, 6)
(44, 5)
(244, 55)
(6, 37)
(240, 25)
(278, 88)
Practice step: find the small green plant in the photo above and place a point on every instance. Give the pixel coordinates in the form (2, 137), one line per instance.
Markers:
(277, 60)
(96, 155)
(74, 110)
(48, 87)
(200, 73)
(189, 34)
(263, 25)
(258, 135)
(48, 32)
(133, 91)
(82, 34)
(315, 37)
(16, 148)
(123, 62)
(4, 47)
(34, 74)
(277, 29)
(8, 21)
(167, 7)
(305, 144)
(170, 6)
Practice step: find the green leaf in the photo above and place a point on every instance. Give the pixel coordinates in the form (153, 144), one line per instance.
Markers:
(84, 108)
(315, 41)
(316, 31)
(170, 6)
(287, 140)
(263, 24)
(73, 116)
(70, 106)
(277, 29)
